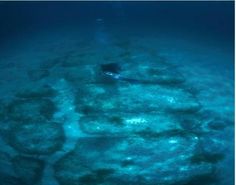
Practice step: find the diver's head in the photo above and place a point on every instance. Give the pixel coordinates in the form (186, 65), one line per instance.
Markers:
(111, 68)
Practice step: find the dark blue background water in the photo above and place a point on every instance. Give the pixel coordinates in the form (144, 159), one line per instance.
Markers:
(201, 18)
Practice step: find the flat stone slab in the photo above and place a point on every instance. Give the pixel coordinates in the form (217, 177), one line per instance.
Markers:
(126, 123)
(117, 160)
(38, 138)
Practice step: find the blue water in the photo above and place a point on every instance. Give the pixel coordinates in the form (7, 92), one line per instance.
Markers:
(110, 93)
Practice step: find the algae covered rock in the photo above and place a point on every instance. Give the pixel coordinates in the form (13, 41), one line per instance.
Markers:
(30, 109)
(178, 101)
(32, 104)
(39, 92)
(126, 123)
(6, 164)
(7, 173)
(79, 168)
(36, 74)
(135, 98)
(37, 138)
(10, 180)
(28, 170)
(159, 72)
(111, 98)
(130, 160)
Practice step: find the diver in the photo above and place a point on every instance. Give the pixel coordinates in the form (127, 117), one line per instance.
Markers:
(112, 71)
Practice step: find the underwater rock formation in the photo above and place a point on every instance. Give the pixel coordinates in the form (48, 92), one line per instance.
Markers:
(124, 124)
(145, 127)
(134, 98)
(30, 109)
(38, 138)
(39, 92)
(130, 160)
(10, 180)
(150, 123)
(36, 74)
(28, 170)
(28, 125)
